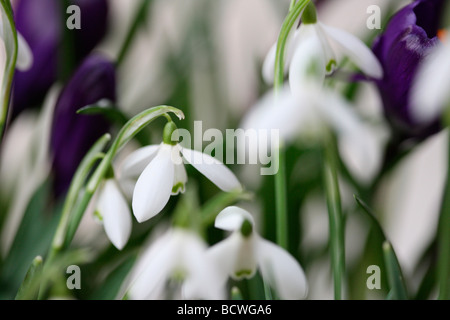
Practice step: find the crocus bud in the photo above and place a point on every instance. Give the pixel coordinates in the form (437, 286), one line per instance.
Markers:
(74, 134)
(42, 24)
(39, 22)
(405, 43)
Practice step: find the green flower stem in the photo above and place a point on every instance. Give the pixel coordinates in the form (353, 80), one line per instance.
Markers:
(139, 19)
(27, 290)
(292, 5)
(281, 200)
(80, 176)
(336, 223)
(280, 178)
(10, 39)
(444, 241)
(128, 131)
(74, 210)
(287, 26)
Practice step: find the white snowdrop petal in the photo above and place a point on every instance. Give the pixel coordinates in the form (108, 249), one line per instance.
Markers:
(281, 270)
(328, 53)
(359, 146)
(308, 63)
(430, 92)
(235, 257)
(116, 214)
(268, 68)
(179, 180)
(151, 281)
(137, 161)
(356, 50)
(283, 112)
(203, 280)
(214, 170)
(154, 186)
(24, 54)
(231, 218)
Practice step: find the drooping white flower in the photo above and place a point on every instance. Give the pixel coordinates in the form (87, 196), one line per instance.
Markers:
(244, 251)
(430, 92)
(24, 54)
(307, 107)
(314, 30)
(160, 173)
(176, 266)
(115, 213)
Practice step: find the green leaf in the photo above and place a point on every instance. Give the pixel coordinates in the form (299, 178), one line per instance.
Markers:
(113, 283)
(11, 47)
(236, 294)
(107, 110)
(85, 167)
(33, 238)
(394, 272)
(26, 290)
(336, 218)
(139, 20)
(371, 216)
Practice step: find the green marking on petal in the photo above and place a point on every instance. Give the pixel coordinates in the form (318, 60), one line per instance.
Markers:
(246, 229)
(245, 273)
(177, 188)
(331, 64)
(179, 275)
(98, 215)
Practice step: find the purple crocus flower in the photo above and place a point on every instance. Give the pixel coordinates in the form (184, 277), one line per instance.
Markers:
(42, 24)
(74, 134)
(407, 40)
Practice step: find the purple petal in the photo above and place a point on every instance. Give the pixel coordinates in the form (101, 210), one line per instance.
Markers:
(73, 134)
(42, 24)
(407, 40)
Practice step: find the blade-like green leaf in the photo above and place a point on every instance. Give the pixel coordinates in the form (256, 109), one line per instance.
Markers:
(236, 294)
(11, 49)
(394, 271)
(371, 216)
(107, 110)
(26, 290)
(335, 216)
(88, 162)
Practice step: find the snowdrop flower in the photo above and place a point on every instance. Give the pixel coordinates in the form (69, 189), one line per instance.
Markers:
(313, 30)
(161, 173)
(176, 258)
(307, 107)
(241, 254)
(24, 54)
(114, 212)
(430, 94)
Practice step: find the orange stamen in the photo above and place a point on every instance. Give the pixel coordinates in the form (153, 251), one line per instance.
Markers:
(442, 35)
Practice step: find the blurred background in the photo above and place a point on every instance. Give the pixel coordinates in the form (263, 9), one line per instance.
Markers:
(205, 57)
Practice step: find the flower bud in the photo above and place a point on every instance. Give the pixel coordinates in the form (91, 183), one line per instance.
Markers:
(73, 134)
(405, 43)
